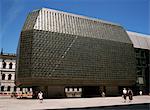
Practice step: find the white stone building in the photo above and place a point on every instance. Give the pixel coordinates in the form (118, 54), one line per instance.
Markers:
(7, 75)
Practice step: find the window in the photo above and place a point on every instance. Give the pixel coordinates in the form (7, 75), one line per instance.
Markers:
(20, 89)
(28, 89)
(2, 88)
(9, 77)
(10, 65)
(3, 76)
(137, 50)
(8, 88)
(142, 53)
(67, 88)
(139, 71)
(4, 64)
(138, 62)
(15, 88)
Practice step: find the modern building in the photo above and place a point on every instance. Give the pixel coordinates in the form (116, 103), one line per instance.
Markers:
(7, 75)
(141, 45)
(58, 51)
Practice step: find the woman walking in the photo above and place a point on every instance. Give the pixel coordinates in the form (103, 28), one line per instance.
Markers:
(130, 94)
(40, 96)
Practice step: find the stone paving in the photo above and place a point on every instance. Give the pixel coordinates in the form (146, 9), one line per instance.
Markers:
(34, 104)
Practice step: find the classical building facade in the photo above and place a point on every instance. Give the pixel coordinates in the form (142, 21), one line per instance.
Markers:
(7, 75)
(59, 50)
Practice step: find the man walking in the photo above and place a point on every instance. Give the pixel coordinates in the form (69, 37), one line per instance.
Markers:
(124, 94)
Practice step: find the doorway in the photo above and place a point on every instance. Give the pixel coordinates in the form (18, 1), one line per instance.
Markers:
(90, 91)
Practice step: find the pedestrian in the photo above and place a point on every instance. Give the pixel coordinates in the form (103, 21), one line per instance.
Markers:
(103, 94)
(40, 96)
(140, 93)
(130, 94)
(124, 94)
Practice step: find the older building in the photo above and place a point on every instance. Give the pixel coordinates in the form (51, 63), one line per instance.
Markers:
(7, 75)
(59, 50)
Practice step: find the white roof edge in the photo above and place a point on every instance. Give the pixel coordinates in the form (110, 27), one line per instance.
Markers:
(136, 40)
(36, 10)
(138, 34)
(81, 16)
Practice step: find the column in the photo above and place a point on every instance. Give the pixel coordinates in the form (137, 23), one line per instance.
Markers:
(30, 89)
(1, 64)
(23, 90)
(6, 76)
(13, 66)
(5, 88)
(11, 89)
(17, 90)
(26, 89)
(0, 75)
(7, 65)
(13, 77)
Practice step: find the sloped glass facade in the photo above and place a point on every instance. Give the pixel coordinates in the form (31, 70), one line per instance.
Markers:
(67, 49)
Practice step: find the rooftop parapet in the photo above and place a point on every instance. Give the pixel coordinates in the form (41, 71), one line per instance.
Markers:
(67, 23)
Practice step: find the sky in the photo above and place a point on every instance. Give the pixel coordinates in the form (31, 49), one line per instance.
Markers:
(133, 15)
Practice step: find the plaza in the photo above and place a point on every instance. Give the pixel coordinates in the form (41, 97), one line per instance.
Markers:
(66, 103)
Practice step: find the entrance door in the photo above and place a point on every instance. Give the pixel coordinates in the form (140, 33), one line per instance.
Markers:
(90, 91)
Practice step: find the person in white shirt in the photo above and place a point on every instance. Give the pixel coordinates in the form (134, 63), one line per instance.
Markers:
(103, 94)
(124, 94)
(40, 96)
(140, 92)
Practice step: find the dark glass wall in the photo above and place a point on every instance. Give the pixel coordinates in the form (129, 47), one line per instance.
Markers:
(143, 69)
(63, 56)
